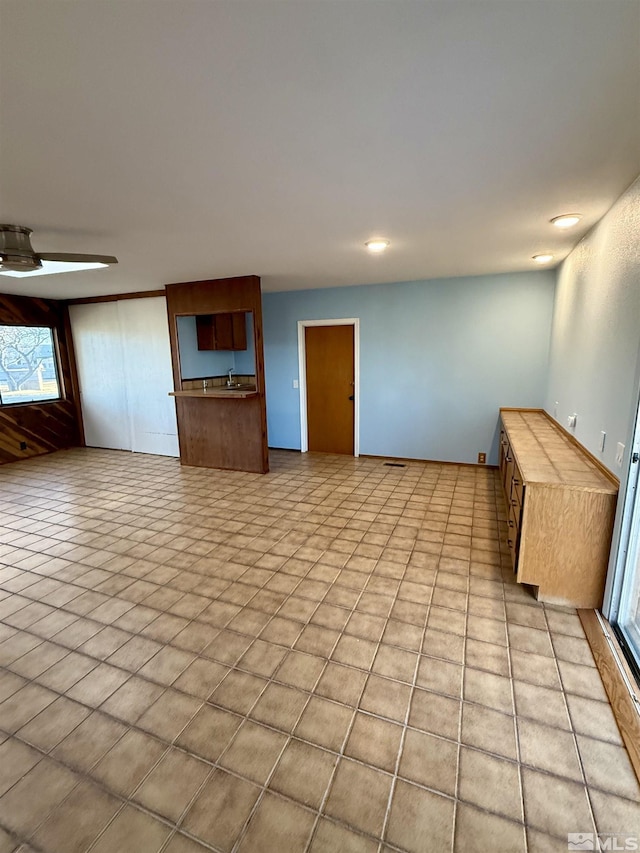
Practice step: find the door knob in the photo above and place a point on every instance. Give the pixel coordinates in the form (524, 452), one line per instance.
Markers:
(351, 397)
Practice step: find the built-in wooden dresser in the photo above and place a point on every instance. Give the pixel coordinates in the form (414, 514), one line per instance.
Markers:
(560, 508)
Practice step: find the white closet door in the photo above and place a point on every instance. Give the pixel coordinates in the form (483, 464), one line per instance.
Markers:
(124, 368)
(98, 346)
(148, 375)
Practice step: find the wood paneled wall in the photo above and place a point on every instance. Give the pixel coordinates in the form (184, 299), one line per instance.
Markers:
(43, 427)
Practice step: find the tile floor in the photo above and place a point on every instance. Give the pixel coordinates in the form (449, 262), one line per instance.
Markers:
(332, 657)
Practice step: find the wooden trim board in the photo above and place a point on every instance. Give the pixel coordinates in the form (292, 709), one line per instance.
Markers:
(73, 373)
(617, 679)
(430, 461)
(116, 297)
(407, 459)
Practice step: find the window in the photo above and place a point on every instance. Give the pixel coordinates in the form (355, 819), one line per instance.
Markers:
(624, 612)
(28, 368)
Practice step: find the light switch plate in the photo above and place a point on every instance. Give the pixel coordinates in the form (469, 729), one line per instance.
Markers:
(619, 454)
(295, 383)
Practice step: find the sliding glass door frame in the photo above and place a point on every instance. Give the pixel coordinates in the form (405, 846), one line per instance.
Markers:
(624, 578)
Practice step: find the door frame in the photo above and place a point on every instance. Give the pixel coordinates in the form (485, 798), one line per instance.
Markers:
(302, 377)
(627, 541)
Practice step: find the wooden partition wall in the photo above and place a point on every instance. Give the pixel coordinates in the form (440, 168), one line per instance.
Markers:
(35, 428)
(214, 432)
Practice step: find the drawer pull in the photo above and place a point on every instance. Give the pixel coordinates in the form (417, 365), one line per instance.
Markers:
(509, 459)
(510, 543)
(510, 523)
(514, 502)
(516, 482)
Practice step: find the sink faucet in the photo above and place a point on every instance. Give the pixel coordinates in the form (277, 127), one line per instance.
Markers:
(230, 381)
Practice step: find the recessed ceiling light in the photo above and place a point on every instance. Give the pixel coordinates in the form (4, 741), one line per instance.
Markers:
(542, 259)
(377, 245)
(567, 220)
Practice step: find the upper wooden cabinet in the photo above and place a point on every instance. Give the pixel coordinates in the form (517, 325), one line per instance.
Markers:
(226, 331)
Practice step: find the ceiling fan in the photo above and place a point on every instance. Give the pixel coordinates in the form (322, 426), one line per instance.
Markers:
(18, 256)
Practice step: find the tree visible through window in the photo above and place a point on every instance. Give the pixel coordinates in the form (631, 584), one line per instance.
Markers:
(28, 370)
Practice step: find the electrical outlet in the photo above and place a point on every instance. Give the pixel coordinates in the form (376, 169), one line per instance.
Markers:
(295, 383)
(482, 458)
(571, 421)
(619, 454)
(603, 438)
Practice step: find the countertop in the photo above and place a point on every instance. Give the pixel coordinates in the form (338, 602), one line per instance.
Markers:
(546, 456)
(217, 393)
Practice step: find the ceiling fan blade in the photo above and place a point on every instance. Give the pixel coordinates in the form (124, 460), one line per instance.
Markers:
(72, 258)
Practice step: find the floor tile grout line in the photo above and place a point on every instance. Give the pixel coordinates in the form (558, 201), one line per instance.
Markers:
(77, 648)
(249, 672)
(516, 735)
(170, 685)
(127, 799)
(400, 751)
(327, 794)
(88, 614)
(121, 594)
(454, 826)
(574, 736)
(273, 769)
(418, 659)
(385, 825)
(52, 638)
(172, 744)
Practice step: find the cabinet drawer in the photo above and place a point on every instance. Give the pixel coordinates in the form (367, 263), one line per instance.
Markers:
(504, 443)
(513, 522)
(513, 531)
(508, 475)
(517, 487)
(503, 453)
(513, 550)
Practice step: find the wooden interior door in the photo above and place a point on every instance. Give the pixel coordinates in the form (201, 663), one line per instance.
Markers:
(330, 388)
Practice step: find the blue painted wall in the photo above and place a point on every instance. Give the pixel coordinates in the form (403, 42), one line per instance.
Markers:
(437, 360)
(195, 363)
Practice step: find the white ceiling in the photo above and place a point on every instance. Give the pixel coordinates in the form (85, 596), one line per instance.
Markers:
(208, 138)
